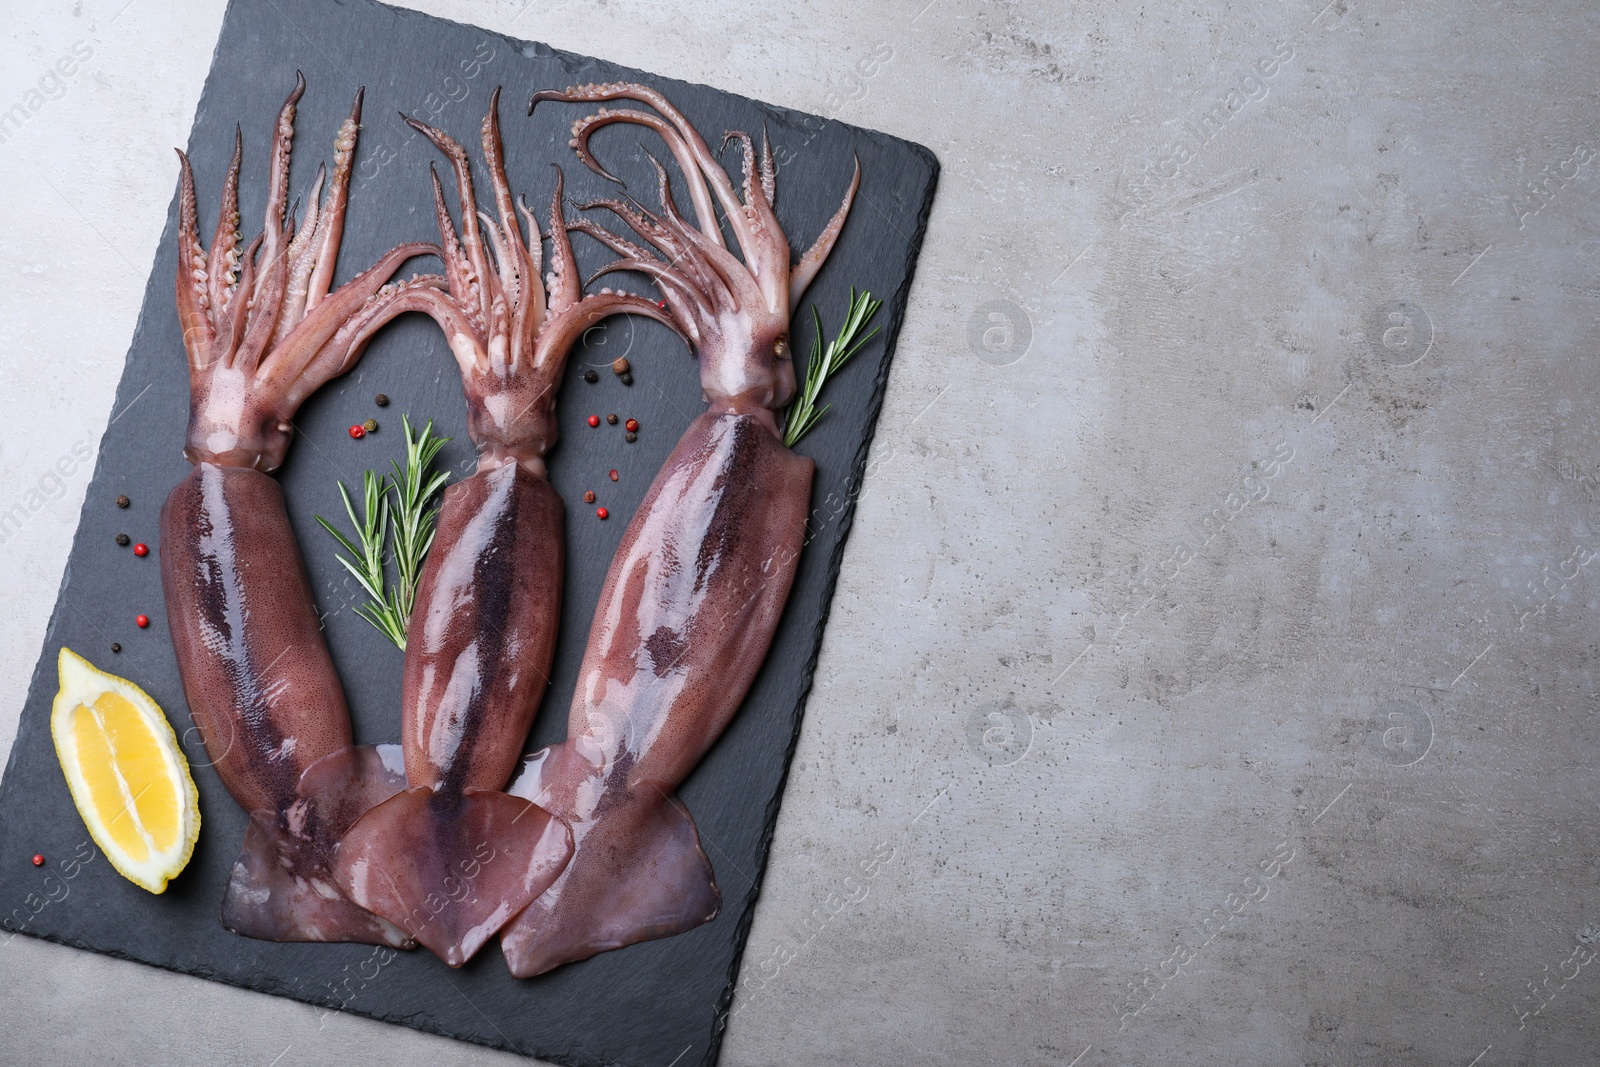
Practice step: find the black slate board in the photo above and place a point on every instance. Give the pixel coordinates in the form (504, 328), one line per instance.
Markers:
(657, 1003)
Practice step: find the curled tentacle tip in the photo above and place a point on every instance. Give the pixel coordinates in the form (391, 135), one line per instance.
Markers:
(545, 94)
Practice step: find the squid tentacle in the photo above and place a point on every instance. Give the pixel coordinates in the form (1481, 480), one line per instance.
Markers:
(278, 178)
(811, 261)
(709, 264)
(380, 309)
(593, 309)
(191, 286)
(457, 268)
(700, 194)
(344, 151)
(223, 261)
(509, 291)
(494, 159)
(230, 330)
(471, 238)
(641, 222)
(771, 269)
(302, 257)
(265, 307)
(564, 287)
(769, 173)
(678, 289)
(296, 367)
(728, 282)
(619, 245)
(705, 164)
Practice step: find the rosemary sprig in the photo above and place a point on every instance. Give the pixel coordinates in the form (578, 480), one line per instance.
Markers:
(824, 362)
(414, 489)
(407, 527)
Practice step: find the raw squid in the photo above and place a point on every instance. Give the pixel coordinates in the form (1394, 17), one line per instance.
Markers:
(263, 331)
(451, 859)
(695, 591)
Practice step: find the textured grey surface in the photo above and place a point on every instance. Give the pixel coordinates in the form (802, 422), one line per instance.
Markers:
(1380, 654)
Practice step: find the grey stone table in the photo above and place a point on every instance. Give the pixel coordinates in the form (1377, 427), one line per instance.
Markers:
(1213, 667)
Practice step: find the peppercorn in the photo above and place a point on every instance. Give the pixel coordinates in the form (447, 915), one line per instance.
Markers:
(601, 513)
(594, 420)
(382, 400)
(123, 501)
(371, 426)
(357, 432)
(613, 475)
(611, 420)
(123, 539)
(632, 437)
(590, 376)
(627, 379)
(632, 425)
(588, 496)
(38, 860)
(142, 620)
(116, 647)
(141, 549)
(620, 365)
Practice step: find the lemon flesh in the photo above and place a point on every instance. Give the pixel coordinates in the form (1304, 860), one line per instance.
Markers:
(128, 777)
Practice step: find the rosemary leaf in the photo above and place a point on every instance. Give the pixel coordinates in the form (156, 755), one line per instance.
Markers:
(398, 514)
(825, 361)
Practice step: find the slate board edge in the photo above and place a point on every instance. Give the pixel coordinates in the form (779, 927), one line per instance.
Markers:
(898, 304)
(275, 989)
(575, 60)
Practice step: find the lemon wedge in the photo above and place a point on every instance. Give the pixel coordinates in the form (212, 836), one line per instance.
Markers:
(128, 776)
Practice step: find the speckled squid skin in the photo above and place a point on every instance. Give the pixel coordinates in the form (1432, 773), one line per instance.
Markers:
(260, 683)
(262, 689)
(693, 597)
(480, 645)
(683, 625)
(452, 859)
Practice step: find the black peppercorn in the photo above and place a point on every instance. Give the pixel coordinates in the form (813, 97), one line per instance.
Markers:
(123, 501)
(590, 376)
(115, 647)
(627, 379)
(632, 437)
(122, 539)
(382, 400)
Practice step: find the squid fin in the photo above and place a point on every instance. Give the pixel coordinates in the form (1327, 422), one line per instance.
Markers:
(282, 886)
(452, 868)
(638, 874)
